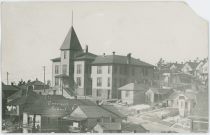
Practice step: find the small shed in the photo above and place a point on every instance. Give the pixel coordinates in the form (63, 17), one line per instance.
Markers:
(107, 128)
(133, 93)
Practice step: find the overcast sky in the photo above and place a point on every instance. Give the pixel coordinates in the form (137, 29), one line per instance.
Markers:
(32, 33)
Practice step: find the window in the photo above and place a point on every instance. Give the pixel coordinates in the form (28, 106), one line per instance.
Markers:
(98, 92)
(112, 119)
(108, 82)
(99, 70)
(99, 120)
(79, 68)
(64, 54)
(121, 69)
(126, 93)
(182, 104)
(79, 81)
(125, 70)
(133, 71)
(115, 82)
(64, 69)
(109, 69)
(56, 69)
(115, 69)
(99, 81)
(56, 81)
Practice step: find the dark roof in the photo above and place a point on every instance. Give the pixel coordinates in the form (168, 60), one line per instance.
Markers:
(201, 109)
(10, 87)
(86, 56)
(62, 76)
(96, 112)
(161, 90)
(118, 59)
(133, 87)
(56, 59)
(36, 82)
(27, 98)
(50, 105)
(55, 105)
(131, 127)
(110, 126)
(71, 41)
(193, 65)
(114, 110)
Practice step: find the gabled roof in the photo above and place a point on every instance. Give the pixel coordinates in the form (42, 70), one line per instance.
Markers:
(110, 126)
(113, 109)
(56, 59)
(9, 87)
(118, 59)
(96, 111)
(27, 98)
(189, 95)
(133, 87)
(193, 65)
(161, 90)
(71, 41)
(36, 82)
(85, 56)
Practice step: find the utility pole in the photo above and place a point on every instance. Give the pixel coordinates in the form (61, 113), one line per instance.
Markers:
(7, 78)
(44, 78)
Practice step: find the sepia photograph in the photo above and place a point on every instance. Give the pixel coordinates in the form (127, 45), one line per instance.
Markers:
(104, 67)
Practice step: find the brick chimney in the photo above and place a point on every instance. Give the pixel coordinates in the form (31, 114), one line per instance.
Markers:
(86, 49)
(129, 58)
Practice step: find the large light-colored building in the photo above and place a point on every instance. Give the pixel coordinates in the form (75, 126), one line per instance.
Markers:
(109, 72)
(80, 73)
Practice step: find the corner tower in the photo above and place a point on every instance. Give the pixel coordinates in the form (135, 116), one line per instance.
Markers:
(69, 49)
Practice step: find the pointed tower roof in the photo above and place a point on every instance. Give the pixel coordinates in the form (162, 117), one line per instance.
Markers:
(71, 41)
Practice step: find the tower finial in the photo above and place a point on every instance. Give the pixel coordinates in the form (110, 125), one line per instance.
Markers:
(72, 19)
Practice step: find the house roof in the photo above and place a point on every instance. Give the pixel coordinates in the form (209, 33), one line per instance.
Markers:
(133, 87)
(71, 41)
(36, 82)
(56, 59)
(118, 59)
(27, 98)
(193, 65)
(10, 87)
(110, 126)
(201, 108)
(54, 105)
(86, 56)
(189, 95)
(161, 90)
(50, 105)
(131, 127)
(96, 112)
(113, 109)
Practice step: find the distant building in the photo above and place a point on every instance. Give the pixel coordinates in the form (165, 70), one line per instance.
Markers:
(184, 101)
(157, 95)
(133, 93)
(190, 68)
